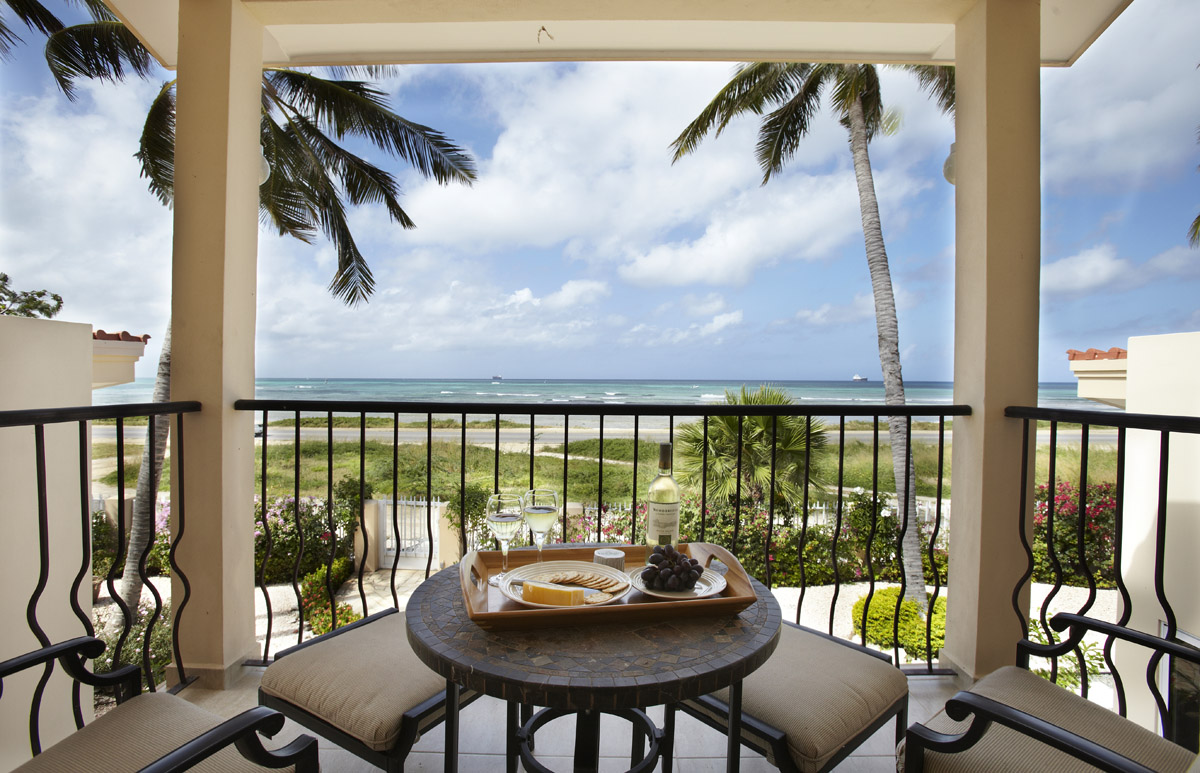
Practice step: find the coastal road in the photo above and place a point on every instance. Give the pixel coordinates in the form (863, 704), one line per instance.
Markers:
(510, 436)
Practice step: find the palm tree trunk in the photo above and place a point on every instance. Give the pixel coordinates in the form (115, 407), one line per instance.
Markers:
(889, 356)
(141, 528)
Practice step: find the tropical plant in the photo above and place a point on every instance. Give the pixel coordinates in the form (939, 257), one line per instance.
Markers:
(313, 177)
(757, 445)
(788, 95)
(27, 303)
(1194, 230)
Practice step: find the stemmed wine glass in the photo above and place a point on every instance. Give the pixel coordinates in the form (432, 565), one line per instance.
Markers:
(541, 513)
(504, 520)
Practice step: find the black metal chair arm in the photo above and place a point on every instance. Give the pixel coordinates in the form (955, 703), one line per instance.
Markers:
(984, 711)
(1078, 625)
(71, 654)
(242, 731)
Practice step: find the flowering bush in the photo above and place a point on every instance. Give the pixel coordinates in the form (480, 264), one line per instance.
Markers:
(104, 543)
(131, 653)
(852, 547)
(616, 524)
(286, 518)
(315, 596)
(1099, 534)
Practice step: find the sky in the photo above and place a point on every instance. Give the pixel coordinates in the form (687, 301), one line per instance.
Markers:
(583, 252)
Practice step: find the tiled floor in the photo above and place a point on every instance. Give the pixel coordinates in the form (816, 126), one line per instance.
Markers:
(698, 749)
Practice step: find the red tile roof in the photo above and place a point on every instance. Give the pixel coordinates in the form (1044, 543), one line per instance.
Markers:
(1115, 353)
(124, 335)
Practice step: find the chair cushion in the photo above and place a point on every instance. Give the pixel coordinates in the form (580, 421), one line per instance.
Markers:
(821, 693)
(1005, 749)
(361, 682)
(136, 733)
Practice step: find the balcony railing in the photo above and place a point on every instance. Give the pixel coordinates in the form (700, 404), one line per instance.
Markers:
(53, 552)
(767, 532)
(1083, 538)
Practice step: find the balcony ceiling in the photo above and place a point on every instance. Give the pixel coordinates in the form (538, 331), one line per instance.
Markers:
(314, 32)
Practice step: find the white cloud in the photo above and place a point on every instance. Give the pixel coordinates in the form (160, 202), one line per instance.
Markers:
(862, 307)
(1124, 113)
(708, 333)
(798, 217)
(1099, 269)
(76, 218)
(577, 292)
(696, 306)
(720, 322)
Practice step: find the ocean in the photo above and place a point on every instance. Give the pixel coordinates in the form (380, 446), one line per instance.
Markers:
(592, 392)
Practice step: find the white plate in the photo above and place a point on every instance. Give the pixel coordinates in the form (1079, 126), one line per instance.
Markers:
(710, 584)
(546, 568)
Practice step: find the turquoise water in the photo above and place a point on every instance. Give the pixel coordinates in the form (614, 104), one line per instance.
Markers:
(554, 391)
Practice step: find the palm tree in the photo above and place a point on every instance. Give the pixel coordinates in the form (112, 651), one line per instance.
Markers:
(788, 95)
(313, 177)
(798, 445)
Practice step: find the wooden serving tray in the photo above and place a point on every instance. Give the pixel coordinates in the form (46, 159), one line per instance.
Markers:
(492, 610)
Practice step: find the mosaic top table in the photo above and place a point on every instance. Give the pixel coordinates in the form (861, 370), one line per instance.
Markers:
(588, 669)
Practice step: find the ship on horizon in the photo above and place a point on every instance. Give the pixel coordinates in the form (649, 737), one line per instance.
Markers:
(858, 378)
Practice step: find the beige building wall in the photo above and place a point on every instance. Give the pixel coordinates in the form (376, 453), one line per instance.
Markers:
(1163, 377)
(46, 364)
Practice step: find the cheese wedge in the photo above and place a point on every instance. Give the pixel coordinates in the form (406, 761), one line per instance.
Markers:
(549, 593)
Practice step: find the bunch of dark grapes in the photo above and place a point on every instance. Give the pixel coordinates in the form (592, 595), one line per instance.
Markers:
(670, 570)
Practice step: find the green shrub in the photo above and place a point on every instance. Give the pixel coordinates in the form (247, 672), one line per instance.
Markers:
(281, 517)
(131, 653)
(881, 618)
(1068, 665)
(475, 498)
(315, 597)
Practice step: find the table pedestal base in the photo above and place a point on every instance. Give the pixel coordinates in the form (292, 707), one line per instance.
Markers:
(587, 738)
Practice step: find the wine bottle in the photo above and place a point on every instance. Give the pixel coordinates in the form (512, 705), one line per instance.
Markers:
(662, 503)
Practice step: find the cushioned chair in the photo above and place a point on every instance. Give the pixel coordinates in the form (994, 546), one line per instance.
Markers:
(361, 687)
(157, 732)
(813, 702)
(1015, 720)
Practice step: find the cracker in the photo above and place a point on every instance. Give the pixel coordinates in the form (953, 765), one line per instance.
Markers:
(597, 598)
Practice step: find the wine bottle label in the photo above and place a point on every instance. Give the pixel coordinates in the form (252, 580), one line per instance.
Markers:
(662, 523)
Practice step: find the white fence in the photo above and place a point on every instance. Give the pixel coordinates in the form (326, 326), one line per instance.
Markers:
(412, 541)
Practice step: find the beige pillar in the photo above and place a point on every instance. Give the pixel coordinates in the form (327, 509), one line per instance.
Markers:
(995, 321)
(213, 303)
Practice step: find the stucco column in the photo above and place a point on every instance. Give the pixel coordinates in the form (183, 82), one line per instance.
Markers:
(997, 247)
(213, 304)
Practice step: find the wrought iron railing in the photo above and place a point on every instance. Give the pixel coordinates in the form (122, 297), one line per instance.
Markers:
(51, 552)
(1082, 534)
(607, 423)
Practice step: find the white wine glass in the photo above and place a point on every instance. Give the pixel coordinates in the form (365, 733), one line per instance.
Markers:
(541, 513)
(504, 519)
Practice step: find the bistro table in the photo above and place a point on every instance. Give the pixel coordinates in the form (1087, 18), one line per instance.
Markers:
(588, 670)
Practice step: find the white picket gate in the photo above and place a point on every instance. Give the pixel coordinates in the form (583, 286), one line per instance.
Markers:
(412, 542)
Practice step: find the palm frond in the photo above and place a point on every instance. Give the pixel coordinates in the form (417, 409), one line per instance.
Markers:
(35, 16)
(285, 200)
(754, 86)
(359, 71)
(98, 10)
(362, 181)
(859, 82)
(8, 39)
(783, 129)
(156, 148)
(938, 81)
(1194, 232)
(100, 49)
(353, 108)
(353, 283)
